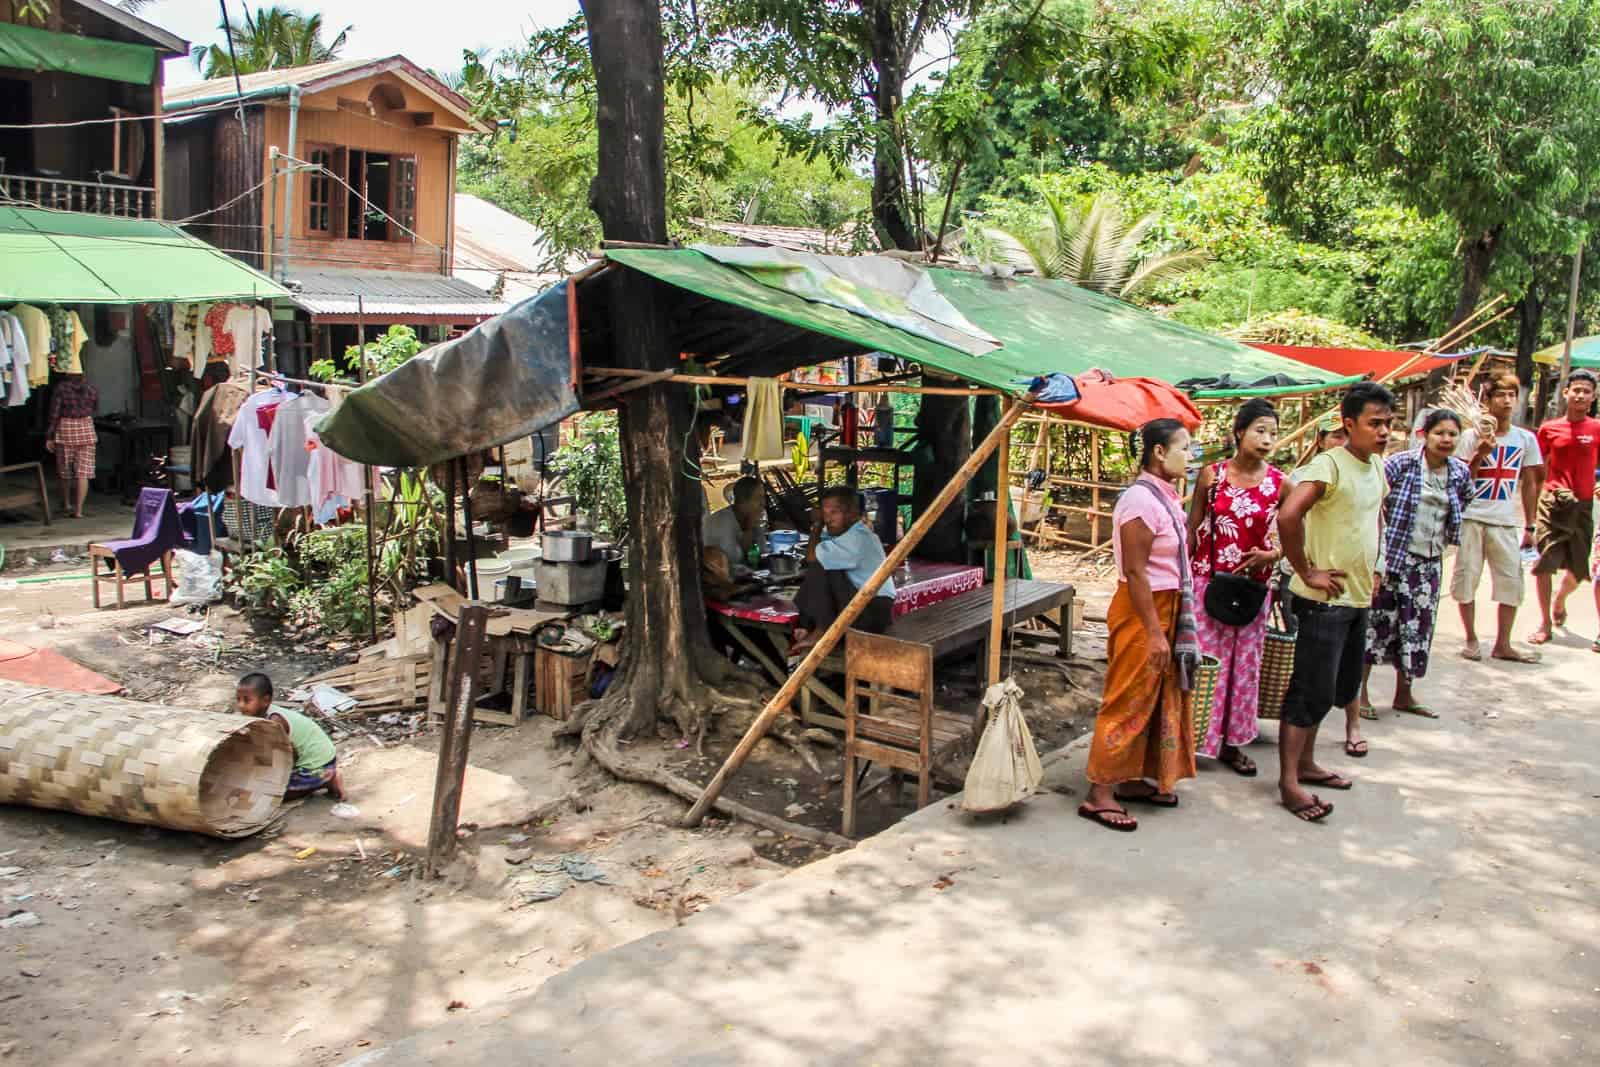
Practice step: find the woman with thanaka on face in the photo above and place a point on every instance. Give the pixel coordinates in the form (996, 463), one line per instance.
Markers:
(1144, 735)
(1233, 528)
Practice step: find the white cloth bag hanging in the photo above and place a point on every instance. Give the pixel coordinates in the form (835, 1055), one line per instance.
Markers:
(1005, 769)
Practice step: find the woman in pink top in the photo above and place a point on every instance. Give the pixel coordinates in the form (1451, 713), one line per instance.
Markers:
(1233, 518)
(1144, 736)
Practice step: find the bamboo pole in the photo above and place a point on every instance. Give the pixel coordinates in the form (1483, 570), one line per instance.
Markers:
(1002, 541)
(809, 387)
(1094, 492)
(864, 595)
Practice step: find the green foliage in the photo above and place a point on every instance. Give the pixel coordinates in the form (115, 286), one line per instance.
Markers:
(1090, 245)
(396, 345)
(1295, 327)
(590, 466)
(270, 38)
(1485, 113)
(265, 582)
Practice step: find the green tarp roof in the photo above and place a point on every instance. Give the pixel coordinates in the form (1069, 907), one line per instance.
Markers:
(28, 48)
(63, 257)
(1044, 326)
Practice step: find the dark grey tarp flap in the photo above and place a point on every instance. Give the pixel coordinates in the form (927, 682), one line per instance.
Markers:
(506, 379)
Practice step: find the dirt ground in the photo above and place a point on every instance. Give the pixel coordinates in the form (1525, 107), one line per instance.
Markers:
(317, 937)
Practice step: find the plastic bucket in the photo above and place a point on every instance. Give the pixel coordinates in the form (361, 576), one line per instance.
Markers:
(782, 540)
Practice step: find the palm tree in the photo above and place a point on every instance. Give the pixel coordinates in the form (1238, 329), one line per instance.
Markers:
(271, 38)
(1092, 246)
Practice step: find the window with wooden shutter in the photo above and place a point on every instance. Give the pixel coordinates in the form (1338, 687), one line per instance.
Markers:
(319, 192)
(404, 198)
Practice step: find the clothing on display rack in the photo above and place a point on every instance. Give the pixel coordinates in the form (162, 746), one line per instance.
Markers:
(250, 437)
(248, 327)
(191, 337)
(15, 360)
(288, 457)
(36, 327)
(67, 337)
(214, 420)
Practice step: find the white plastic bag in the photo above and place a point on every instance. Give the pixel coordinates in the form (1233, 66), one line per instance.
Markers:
(1005, 769)
(199, 578)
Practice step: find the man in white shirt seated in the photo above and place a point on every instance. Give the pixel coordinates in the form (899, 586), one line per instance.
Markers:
(728, 535)
(842, 555)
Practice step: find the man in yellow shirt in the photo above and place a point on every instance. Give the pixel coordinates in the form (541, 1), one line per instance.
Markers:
(1329, 528)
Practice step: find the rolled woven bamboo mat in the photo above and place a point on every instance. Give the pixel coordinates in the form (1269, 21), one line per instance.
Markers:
(215, 774)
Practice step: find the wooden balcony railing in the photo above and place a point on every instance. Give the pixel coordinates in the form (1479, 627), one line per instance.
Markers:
(95, 198)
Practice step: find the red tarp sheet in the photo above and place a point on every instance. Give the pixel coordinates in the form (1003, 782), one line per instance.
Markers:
(1343, 361)
(1126, 403)
(40, 666)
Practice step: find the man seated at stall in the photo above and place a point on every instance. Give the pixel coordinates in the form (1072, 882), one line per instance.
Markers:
(842, 555)
(729, 535)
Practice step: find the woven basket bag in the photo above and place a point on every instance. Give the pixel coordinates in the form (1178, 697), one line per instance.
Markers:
(1277, 660)
(1203, 695)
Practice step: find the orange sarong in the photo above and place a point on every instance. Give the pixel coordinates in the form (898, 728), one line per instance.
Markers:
(1144, 728)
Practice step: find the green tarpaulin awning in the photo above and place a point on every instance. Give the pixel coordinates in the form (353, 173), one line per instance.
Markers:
(28, 48)
(1044, 326)
(62, 257)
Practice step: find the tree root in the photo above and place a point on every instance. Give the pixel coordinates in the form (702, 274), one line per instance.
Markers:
(538, 812)
(599, 740)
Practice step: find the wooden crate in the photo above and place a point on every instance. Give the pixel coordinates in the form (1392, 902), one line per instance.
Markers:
(560, 682)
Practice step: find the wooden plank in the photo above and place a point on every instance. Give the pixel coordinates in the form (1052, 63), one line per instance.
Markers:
(1000, 555)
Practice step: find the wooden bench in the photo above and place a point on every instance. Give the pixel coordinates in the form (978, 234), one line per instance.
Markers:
(16, 496)
(961, 624)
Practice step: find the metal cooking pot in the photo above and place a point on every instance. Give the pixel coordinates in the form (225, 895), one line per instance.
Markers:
(783, 564)
(567, 546)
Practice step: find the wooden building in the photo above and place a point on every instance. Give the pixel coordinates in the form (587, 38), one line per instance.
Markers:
(337, 179)
(80, 101)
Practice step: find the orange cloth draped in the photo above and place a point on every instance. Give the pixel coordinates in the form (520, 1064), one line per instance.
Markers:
(1144, 729)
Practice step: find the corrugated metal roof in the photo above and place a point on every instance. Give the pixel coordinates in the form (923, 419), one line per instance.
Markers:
(327, 291)
(147, 32)
(258, 83)
(493, 244)
(795, 238)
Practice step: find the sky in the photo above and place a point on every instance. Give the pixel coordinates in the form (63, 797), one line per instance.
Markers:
(430, 34)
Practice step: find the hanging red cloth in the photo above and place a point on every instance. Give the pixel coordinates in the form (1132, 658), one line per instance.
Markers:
(1126, 403)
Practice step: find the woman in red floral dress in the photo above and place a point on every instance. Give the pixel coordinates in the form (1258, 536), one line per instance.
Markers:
(1233, 519)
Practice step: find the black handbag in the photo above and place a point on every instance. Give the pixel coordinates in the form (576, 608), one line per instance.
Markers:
(1231, 599)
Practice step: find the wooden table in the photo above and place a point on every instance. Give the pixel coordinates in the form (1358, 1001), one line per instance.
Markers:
(770, 613)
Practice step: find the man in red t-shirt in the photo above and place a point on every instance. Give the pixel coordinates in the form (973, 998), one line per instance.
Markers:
(1565, 527)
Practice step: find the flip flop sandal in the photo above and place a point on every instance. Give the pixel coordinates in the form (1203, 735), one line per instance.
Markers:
(1538, 638)
(1524, 657)
(1417, 709)
(1154, 800)
(1356, 749)
(1369, 712)
(1476, 657)
(1559, 618)
(1330, 781)
(1303, 812)
(1249, 770)
(1098, 817)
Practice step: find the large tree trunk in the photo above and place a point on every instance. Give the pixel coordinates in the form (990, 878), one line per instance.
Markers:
(1530, 320)
(668, 653)
(1477, 258)
(889, 206)
(944, 423)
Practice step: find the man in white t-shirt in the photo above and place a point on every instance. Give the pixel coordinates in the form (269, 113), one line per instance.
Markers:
(1507, 471)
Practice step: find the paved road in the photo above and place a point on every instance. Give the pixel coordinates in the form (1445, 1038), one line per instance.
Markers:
(1445, 914)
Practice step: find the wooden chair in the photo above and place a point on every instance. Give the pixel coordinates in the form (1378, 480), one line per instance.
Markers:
(115, 574)
(899, 728)
(15, 496)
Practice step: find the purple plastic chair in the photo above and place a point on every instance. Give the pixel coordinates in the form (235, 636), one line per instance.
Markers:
(157, 531)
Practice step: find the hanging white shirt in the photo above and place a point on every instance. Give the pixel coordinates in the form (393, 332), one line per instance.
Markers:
(248, 436)
(286, 448)
(15, 354)
(247, 325)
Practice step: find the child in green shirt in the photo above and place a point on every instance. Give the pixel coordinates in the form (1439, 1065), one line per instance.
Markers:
(316, 764)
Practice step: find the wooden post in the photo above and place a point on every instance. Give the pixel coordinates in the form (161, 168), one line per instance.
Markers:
(1002, 516)
(460, 696)
(864, 595)
(366, 477)
(1094, 491)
